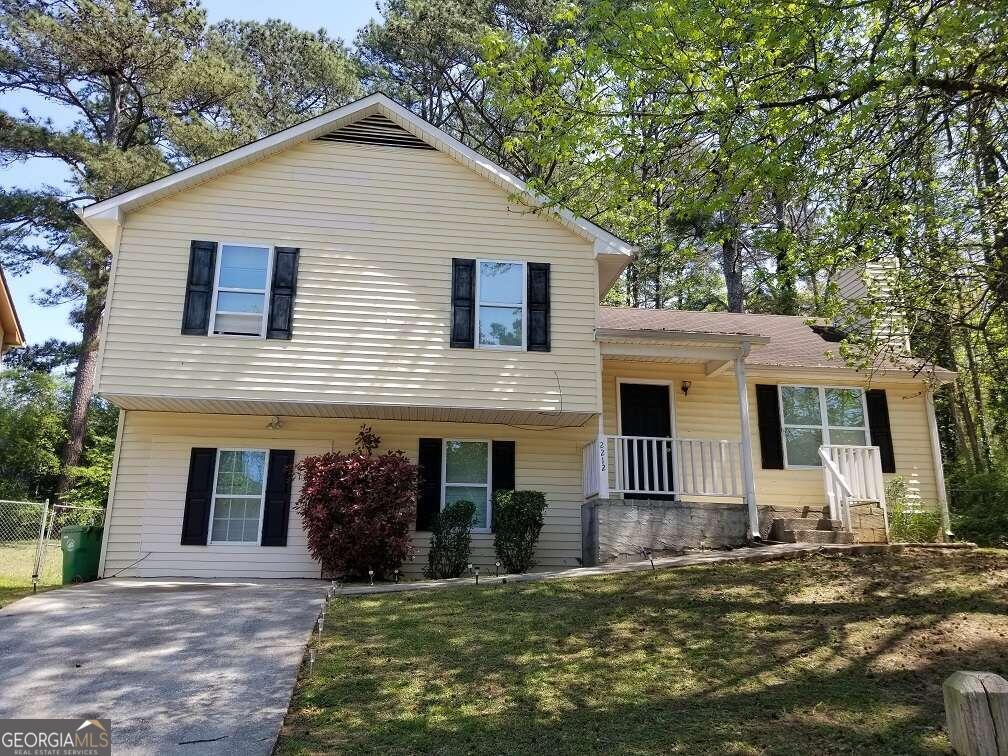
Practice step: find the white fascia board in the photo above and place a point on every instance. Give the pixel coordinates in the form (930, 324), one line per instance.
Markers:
(605, 242)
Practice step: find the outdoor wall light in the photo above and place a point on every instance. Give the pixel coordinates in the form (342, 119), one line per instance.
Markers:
(685, 386)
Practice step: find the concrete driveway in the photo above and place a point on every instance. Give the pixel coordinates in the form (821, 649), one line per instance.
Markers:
(179, 666)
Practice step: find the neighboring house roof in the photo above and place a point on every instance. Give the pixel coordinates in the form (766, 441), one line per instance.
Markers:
(12, 333)
(782, 340)
(104, 218)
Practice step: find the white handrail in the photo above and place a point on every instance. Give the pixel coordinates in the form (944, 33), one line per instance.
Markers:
(853, 474)
(643, 465)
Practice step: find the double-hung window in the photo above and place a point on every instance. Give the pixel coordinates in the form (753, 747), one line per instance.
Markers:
(812, 416)
(241, 290)
(467, 478)
(500, 296)
(239, 491)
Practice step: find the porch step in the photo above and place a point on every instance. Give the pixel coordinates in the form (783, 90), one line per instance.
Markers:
(816, 536)
(806, 523)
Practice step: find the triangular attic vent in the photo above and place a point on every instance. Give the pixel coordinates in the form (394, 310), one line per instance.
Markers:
(376, 129)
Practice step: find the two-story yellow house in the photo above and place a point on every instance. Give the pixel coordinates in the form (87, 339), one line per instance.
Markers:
(365, 266)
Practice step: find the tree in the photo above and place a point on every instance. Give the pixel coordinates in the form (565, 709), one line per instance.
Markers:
(150, 89)
(32, 430)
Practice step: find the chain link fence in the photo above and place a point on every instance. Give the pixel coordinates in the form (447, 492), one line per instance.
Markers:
(30, 540)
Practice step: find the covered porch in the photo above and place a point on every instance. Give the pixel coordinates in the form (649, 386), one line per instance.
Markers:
(678, 450)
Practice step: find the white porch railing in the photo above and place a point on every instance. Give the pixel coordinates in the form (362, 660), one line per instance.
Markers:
(636, 465)
(852, 474)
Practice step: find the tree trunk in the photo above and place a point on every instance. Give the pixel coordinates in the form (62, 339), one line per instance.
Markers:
(731, 266)
(787, 284)
(80, 400)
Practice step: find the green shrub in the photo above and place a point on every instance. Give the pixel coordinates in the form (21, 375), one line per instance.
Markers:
(909, 524)
(979, 506)
(517, 519)
(451, 540)
(913, 525)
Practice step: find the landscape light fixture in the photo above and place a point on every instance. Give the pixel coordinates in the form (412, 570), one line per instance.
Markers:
(370, 574)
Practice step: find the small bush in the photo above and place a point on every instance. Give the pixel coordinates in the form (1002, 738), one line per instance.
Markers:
(517, 520)
(913, 526)
(451, 540)
(906, 524)
(357, 508)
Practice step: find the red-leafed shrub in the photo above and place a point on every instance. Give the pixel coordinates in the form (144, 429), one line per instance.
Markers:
(357, 508)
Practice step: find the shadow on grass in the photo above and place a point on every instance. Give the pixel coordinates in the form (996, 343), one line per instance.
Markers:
(826, 655)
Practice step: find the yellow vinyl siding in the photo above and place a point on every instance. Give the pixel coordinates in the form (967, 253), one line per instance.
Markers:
(710, 410)
(377, 228)
(146, 509)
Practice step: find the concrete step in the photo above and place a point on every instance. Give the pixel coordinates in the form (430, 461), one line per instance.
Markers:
(816, 536)
(807, 523)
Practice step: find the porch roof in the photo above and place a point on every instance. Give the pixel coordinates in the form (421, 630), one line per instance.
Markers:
(780, 341)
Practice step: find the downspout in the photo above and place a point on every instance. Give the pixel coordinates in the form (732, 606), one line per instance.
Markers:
(748, 477)
(111, 493)
(936, 458)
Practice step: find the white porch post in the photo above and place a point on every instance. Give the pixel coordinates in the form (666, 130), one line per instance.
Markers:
(602, 460)
(937, 461)
(748, 478)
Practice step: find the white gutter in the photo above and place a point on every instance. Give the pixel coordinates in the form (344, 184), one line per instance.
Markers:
(936, 458)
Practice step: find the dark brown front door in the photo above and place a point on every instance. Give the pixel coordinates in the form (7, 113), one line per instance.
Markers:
(645, 410)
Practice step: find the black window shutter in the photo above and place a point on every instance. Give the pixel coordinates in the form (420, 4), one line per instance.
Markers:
(276, 510)
(199, 288)
(281, 311)
(768, 412)
(502, 468)
(538, 339)
(463, 329)
(199, 489)
(429, 495)
(878, 424)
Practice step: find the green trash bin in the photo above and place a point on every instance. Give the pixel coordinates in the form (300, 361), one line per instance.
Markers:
(81, 546)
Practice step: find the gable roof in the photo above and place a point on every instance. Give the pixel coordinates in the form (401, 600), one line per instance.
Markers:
(11, 333)
(784, 341)
(105, 217)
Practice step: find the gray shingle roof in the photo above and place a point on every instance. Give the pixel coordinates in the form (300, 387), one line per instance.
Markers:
(792, 342)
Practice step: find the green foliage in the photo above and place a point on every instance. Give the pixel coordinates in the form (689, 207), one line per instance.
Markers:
(451, 540)
(979, 505)
(32, 416)
(517, 520)
(909, 524)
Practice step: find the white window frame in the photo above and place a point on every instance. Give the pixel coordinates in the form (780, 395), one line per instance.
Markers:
(824, 427)
(489, 476)
(262, 499)
(270, 255)
(480, 303)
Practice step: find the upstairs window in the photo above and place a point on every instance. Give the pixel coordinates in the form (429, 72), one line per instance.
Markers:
(500, 296)
(241, 290)
(812, 416)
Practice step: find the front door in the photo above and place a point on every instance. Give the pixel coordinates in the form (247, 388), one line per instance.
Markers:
(645, 410)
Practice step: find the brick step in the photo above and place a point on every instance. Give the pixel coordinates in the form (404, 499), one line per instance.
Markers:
(816, 536)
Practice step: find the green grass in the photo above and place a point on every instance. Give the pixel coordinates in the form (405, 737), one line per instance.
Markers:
(17, 559)
(823, 655)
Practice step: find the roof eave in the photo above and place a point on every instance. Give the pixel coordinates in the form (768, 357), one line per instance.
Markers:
(12, 333)
(642, 334)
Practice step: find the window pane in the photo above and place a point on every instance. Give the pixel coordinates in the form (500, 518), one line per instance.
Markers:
(476, 494)
(844, 407)
(243, 267)
(251, 530)
(501, 282)
(241, 472)
(500, 326)
(219, 529)
(241, 325)
(847, 437)
(466, 462)
(801, 405)
(231, 301)
(802, 445)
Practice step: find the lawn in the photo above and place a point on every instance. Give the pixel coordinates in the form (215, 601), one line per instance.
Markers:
(823, 655)
(17, 559)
